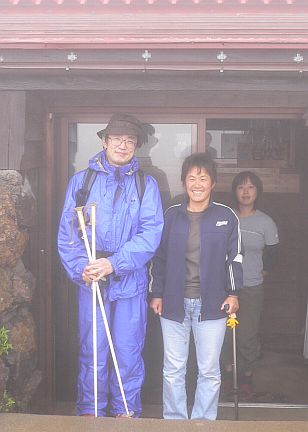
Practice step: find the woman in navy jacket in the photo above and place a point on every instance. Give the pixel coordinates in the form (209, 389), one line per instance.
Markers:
(197, 271)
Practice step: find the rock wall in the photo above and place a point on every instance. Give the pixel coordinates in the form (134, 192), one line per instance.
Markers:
(18, 370)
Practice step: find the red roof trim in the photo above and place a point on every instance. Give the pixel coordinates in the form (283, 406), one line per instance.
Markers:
(32, 27)
(154, 30)
(24, 3)
(261, 6)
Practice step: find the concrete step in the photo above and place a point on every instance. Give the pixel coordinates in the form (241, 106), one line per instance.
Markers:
(41, 423)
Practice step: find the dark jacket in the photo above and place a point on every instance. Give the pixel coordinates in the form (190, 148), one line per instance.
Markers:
(220, 261)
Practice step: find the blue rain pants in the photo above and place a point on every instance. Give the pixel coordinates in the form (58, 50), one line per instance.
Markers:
(127, 321)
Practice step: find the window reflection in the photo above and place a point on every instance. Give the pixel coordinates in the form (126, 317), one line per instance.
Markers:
(163, 154)
(83, 144)
(250, 139)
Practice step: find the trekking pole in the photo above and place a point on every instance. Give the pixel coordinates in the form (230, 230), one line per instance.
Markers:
(102, 308)
(113, 355)
(93, 286)
(232, 322)
(94, 327)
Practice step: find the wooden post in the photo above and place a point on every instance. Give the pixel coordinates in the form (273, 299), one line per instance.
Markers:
(12, 131)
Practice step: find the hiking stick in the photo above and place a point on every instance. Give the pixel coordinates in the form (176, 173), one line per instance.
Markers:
(113, 355)
(232, 322)
(234, 369)
(93, 286)
(102, 308)
(94, 327)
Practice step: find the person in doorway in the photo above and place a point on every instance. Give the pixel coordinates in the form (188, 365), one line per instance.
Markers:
(209, 149)
(260, 242)
(197, 271)
(128, 232)
(145, 160)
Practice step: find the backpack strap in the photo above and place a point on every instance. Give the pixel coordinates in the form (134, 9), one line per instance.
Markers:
(140, 184)
(82, 194)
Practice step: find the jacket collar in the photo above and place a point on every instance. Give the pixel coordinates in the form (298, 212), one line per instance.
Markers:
(183, 206)
(100, 163)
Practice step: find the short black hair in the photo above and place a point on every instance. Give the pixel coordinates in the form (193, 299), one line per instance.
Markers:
(242, 178)
(199, 160)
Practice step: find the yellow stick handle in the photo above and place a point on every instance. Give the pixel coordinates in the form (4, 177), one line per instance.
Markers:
(232, 321)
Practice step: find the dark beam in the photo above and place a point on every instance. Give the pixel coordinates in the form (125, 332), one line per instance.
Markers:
(293, 82)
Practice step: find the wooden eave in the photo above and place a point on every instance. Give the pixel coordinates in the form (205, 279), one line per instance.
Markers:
(116, 24)
(184, 59)
(108, 30)
(178, 36)
(235, 6)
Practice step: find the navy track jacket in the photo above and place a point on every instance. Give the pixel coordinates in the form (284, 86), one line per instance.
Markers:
(221, 271)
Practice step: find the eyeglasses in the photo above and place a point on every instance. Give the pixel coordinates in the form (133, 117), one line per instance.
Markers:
(116, 141)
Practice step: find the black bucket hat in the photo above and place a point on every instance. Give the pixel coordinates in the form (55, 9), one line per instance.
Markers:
(125, 124)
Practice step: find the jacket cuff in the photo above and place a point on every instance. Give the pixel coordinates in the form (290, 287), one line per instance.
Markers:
(155, 295)
(112, 259)
(79, 270)
(233, 293)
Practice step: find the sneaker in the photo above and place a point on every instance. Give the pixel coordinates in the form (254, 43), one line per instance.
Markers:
(123, 415)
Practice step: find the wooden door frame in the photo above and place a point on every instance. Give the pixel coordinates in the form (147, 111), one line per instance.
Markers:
(46, 250)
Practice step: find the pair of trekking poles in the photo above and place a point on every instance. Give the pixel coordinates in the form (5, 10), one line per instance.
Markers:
(96, 294)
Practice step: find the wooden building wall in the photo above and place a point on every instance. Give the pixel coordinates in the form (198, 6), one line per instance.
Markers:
(33, 168)
(12, 131)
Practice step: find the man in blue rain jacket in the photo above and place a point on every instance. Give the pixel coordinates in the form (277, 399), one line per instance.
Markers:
(128, 232)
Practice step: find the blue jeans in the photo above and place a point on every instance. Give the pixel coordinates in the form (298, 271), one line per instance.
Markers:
(208, 336)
